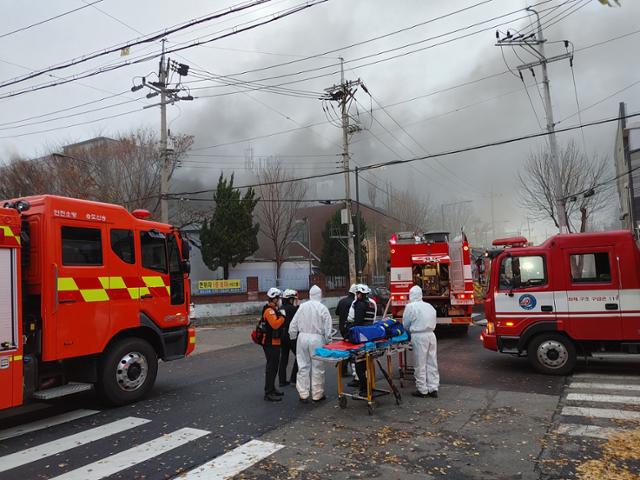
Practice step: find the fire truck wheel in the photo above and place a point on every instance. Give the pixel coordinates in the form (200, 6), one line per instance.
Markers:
(128, 371)
(552, 354)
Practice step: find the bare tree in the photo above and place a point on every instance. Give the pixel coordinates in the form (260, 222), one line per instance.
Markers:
(279, 202)
(580, 177)
(411, 210)
(124, 170)
(457, 216)
(372, 193)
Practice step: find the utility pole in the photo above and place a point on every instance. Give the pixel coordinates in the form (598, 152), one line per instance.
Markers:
(359, 247)
(164, 168)
(529, 43)
(493, 216)
(167, 96)
(344, 94)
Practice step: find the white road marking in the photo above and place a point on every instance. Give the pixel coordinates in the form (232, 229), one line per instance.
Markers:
(592, 431)
(232, 463)
(600, 413)
(67, 443)
(604, 376)
(45, 423)
(133, 456)
(606, 386)
(595, 397)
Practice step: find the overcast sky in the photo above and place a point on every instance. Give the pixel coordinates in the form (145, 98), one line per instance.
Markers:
(483, 111)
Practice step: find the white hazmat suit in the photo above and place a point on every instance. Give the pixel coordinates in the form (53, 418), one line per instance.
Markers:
(311, 325)
(419, 320)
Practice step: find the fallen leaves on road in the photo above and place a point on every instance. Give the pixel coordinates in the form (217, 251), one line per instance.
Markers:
(621, 447)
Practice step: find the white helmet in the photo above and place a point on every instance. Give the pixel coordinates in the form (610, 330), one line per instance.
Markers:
(290, 293)
(274, 292)
(362, 288)
(352, 288)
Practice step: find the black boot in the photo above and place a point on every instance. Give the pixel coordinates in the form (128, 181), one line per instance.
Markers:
(269, 397)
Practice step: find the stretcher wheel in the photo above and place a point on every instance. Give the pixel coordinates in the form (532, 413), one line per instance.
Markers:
(398, 399)
(370, 408)
(401, 384)
(342, 401)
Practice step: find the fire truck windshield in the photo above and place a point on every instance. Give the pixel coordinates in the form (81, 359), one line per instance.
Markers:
(436, 237)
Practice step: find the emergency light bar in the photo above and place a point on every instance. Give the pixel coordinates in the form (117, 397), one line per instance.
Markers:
(141, 213)
(510, 242)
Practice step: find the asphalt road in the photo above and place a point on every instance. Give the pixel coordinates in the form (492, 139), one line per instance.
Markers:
(218, 395)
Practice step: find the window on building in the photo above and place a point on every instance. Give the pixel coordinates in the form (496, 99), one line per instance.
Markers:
(154, 251)
(81, 246)
(590, 268)
(522, 272)
(122, 245)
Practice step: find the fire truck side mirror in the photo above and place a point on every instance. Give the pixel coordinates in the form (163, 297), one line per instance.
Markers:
(185, 266)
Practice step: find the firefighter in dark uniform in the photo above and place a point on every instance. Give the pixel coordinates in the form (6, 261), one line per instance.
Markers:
(342, 311)
(362, 312)
(290, 306)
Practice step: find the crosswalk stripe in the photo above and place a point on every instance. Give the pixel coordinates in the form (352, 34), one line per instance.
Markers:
(592, 431)
(133, 456)
(595, 397)
(67, 443)
(609, 413)
(45, 423)
(233, 462)
(605, 386)
(620, 378)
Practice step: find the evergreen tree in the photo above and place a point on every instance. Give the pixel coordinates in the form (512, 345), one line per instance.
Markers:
(334, 259)
(229, 236)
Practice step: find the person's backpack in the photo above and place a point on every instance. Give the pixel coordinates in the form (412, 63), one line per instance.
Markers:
(259, 333)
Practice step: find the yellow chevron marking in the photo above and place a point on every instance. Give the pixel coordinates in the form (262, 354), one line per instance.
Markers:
(67, 284)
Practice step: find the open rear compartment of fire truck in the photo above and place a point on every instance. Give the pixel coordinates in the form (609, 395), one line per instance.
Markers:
(441, 267)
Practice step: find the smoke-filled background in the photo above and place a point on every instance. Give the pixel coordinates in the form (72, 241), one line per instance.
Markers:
(429, 82)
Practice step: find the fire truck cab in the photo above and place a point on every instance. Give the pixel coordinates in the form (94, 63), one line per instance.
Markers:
(442, 268)
(576, 294)
(90, 294)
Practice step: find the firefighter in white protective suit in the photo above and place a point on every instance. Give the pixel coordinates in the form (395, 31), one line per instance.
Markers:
(311, 325)
(419, 319)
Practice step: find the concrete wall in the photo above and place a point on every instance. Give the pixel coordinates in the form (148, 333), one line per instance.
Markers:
(214, 310)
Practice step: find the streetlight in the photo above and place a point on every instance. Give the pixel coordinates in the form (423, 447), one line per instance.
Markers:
(449, 205)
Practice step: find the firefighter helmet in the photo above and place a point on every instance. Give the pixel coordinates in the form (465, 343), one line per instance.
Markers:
(352, 288)
(290, 293)
(274, 293)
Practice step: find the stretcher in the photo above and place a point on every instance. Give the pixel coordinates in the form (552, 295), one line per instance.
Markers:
(378, 353)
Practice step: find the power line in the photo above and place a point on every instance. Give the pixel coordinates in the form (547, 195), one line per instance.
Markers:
(72, 125)
(234, 31)
(132, 43)
(381, 53)
(126, 102)
(434, 155)
(26, 119)
(363, 42)
(418, 143)
(55, 17)
(602, 100)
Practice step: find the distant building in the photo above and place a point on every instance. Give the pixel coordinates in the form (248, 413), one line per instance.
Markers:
(627, 160)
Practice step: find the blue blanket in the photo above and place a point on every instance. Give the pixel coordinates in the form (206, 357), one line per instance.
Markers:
(368, 346)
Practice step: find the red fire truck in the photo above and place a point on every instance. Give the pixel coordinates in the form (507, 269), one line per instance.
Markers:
(576, 294)
(90, 294)
(441, 267)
